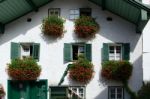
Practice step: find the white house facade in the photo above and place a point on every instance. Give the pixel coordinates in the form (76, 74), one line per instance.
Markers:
(51, 52)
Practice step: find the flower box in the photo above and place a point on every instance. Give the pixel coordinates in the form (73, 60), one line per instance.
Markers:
(24, 69)
(86, 27)
(53, 26)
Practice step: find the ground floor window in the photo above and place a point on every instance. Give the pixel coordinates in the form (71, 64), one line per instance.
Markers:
(67, 92)
(115, 92)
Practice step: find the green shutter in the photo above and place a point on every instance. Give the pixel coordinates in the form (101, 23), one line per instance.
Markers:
(36, 51)
(105, 52)
(67, 52)
(88, 51)
(15, 50)
(126, 51)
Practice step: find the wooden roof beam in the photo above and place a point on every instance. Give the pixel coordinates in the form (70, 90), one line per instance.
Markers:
(2, 28)
(32, 4)
(103, 4)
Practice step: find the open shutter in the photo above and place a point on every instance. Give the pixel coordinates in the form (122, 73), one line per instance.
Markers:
(88, 51)
(15, 50)
(67, 52)
(126, 51)
(36, 51)
(105, 52)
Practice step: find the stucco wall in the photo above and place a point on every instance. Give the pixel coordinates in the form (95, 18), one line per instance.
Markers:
(146, 53)
(51, 51)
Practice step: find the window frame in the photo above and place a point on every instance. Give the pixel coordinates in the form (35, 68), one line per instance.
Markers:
(109, 87)
(67, 90)
(115, 51)
(17, 47)
(54, 10)
(74, 14)
(79, 45)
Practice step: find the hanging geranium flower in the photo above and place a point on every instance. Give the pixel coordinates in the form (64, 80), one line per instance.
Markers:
(81, 70)
(24, 69)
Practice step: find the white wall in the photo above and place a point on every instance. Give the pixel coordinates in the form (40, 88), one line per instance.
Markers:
(51, 51)
(146, 53)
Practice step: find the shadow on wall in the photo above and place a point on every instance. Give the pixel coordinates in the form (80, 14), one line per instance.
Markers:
(103, 94)
(136, 80)
(17, 28)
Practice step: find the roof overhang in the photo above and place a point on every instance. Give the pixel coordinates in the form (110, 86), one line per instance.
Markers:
(131, 10)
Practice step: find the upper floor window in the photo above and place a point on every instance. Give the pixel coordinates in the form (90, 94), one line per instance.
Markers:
(118, 51)
(85, 11)
(115, 52)
(73, 50)
(76, 13)
(115, 92)
(22, 50)
(54, 11)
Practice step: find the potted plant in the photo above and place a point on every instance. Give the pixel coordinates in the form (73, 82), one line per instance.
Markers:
(24, 69)
(81, 70)
(2, 92)
(86, 27)
(116, 70)
(53, 26)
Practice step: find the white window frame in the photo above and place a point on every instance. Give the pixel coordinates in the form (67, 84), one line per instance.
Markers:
(79, 45)
(24, 53)
(115, 51)
(74, 14)
(77, 88)
(116, 92)
(53, 10)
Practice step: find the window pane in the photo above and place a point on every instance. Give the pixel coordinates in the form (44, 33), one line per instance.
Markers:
(81, 49)
(111, 47)
(76, 12)
(72, 12)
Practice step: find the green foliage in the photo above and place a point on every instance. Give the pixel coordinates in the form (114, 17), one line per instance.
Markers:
(117, 70)
(144, 92)
(86, 27)
(53, 26)
(81, 70)
(128, 89)
(86, 21)
(24, 69)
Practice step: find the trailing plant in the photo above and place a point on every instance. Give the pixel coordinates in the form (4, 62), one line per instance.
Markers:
(2, 92)
(53, 26)
(144, 92)
(86, 27)
(119, 71)
(81, 70)
(24, 69)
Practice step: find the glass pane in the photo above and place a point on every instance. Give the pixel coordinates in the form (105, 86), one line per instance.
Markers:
(112, 96)
(111, 47)
(119, 96)
(119, 90)
(72, 17)
(71, 11)
(76, 16)
(76, 12)
(81, 49)
(118, 47)
(80, 90)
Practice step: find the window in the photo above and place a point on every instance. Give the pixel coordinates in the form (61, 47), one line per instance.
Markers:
(22, 50)
(116, 92)
(74, 14)
(73, 50)
(67, 92)
(85, 11)
(115, 52)
(77, 50)
(54, 11)
(75, 92)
